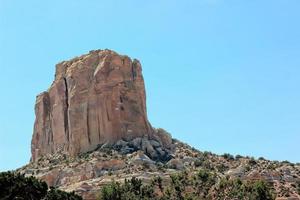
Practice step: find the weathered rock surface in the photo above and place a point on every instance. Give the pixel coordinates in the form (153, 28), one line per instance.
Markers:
(154, 149)
(96, 98)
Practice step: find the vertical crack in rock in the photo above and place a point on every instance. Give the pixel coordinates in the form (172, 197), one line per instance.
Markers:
(133, 72)
(88, 124)
(99, 126)
(48, 118)
(66, 114)
(106, 108)
(49, 112)
(50, 126)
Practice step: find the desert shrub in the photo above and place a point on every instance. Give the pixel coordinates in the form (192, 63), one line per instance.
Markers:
(228, 156)
(130, 190)
(207, 165)
(261, 158)
(286, 162)
(178, 185)
(203, 185)
(252, 161)
(260, 191)
(221, 168)
(271, 166)
(198, 163)
(111, 191)
(204, 180)
(235, 188)
(17, 186)
(158, 182)
(206, 154)
(298, 187)
(55, 194)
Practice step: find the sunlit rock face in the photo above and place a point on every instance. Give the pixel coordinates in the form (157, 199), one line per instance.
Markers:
(96, 98)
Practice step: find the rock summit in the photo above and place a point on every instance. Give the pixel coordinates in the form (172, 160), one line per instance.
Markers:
(98, 98)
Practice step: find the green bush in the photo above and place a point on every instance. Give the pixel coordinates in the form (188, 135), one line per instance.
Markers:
(198, 163)
(259, 191)
(184, 186)
(298, 186)
(55, 194)
(131, 190)
(17, 186)
(111, 191)
(250, 190)
(228, 156)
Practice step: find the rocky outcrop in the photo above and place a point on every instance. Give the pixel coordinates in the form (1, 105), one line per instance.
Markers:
(95, 99)
(155, 149)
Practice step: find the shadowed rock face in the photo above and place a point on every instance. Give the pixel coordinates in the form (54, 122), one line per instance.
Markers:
(95, 98)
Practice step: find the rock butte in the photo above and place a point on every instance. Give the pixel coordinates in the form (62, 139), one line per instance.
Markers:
(97, 102)
(95, 99)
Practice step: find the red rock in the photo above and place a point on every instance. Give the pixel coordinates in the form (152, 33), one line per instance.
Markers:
(51, 178)
(112, 164)
(95, 98)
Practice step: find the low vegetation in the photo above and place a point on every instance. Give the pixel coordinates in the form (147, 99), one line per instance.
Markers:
(17, 186)
(201, 186)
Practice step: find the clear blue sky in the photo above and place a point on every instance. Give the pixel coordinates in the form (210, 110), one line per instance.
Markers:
(221, 75)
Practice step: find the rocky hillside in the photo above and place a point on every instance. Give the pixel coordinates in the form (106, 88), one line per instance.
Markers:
(89, 172)
(92, 128)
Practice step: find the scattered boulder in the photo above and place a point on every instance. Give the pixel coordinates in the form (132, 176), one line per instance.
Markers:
(152, 148)
(164, 137)
(175, 164)
(155, 143)
(148, 148)
(141, 159)
(137, 142)
(121, 144)
(237, 172)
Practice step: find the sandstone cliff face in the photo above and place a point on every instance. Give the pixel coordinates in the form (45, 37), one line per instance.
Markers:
(96, 98)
